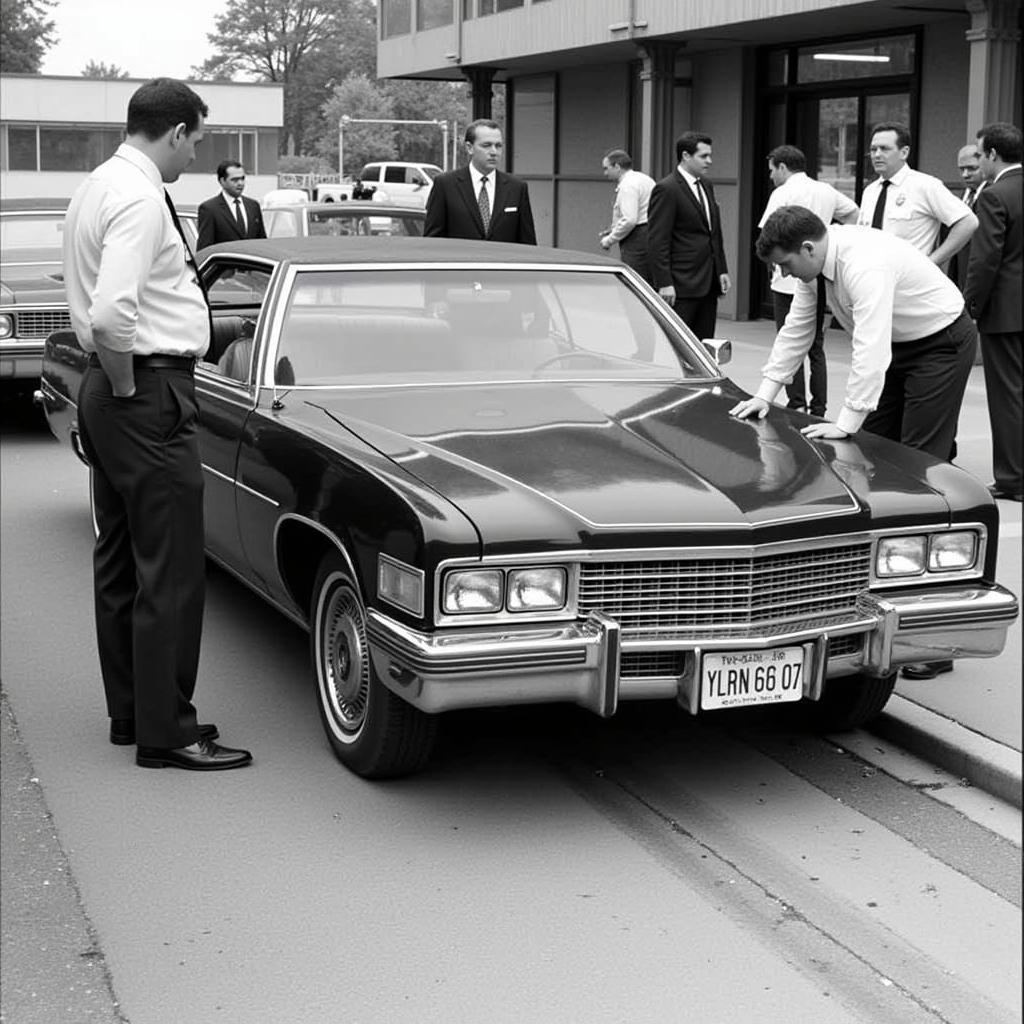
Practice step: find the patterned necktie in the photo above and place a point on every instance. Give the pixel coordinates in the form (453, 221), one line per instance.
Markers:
(485, 204)
(702, 198)
(239, 219)
(876, 217)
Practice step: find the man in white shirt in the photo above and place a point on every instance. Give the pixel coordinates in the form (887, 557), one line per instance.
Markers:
(229, 216)
(138, 308)
(629, 211)
(787, 169)
(912, 205)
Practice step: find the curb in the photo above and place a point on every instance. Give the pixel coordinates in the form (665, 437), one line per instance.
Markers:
(986, 764)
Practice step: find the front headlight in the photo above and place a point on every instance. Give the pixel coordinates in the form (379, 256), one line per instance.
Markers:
(949, 551)
(6, 325)
(536, 589)
(901, 556)
(473, 591)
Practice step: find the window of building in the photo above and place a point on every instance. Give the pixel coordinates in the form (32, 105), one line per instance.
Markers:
(76, 149)
(395, 18)
(225, 144)
(433, 13)
(828, 62)
(22, 154)
(479, 8)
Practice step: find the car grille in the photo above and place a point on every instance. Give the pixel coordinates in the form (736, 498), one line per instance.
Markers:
(695, 599)
(39, 323)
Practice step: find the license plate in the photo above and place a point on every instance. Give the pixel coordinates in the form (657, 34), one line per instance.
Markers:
(738, 679)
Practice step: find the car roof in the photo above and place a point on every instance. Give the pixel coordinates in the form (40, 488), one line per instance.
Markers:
(322, 249)
(30, 205)
(356, 206)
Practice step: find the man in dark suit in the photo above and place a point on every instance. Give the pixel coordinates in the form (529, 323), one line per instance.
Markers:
(967, 161)
(229, 216)
(685, 236)
(479, 201)
(992, 296)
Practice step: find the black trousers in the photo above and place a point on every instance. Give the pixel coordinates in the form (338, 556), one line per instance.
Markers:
(699, 314)
(1004, 388)
(796, 390)
(633, 252)
(149, 568)
(924, 389)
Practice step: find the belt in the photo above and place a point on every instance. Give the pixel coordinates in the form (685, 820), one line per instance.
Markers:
(158, 361)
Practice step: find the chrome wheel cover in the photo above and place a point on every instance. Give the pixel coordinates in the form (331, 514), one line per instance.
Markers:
(345, 666)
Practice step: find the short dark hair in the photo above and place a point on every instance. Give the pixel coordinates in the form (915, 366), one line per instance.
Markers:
(480, 122)
(225, 165)
(619, 158)
(688, 143)
(787, 229)
(160, 104)
(1004, 138)
(901, 130)
(792, 157)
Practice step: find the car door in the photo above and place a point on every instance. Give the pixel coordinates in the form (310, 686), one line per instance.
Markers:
(237, 289)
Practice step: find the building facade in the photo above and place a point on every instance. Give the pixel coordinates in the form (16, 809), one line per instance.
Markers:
(584, 76)
(54, 130)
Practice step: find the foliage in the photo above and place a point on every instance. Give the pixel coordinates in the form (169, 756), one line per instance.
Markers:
(359, 98)
(103, 70)
(305, 45)
(304, 165)
(26, 33)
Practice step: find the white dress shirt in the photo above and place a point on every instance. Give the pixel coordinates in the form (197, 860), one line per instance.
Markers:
(124, 264)
(883, 292)
(699, 193)
(230, 200)
(915, 209)
(632, 198)
(817, 196)
(476, 177)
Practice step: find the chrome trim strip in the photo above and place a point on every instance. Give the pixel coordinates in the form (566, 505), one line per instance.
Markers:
(238, 483)
(218, 473)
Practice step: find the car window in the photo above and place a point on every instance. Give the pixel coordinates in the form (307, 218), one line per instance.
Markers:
(235, 292)
(414, 176)
(431, 171)
(34, 231)
(395, 175)
(371, 172)
(397, 326)
(281, 223)
(343, 222)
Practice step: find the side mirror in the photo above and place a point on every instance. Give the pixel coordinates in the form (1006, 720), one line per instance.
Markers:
(719, 349)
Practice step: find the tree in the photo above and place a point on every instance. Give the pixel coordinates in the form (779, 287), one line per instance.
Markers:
(103, 70)
(26, 33)
(359, 98)
(300, 44)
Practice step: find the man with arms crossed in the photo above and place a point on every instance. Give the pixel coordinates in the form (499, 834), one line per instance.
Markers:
(992, 292)
(913, 342)
(229, 216)
(479, 201)
(629, 212)
(787, 169)
(138, 308)
(685, 230)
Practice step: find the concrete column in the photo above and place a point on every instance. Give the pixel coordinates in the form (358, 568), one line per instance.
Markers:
(994, 76)
(657, 80)
(481, 92)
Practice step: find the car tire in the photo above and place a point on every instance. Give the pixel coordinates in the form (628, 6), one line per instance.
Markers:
(851, 701)
(372, 731)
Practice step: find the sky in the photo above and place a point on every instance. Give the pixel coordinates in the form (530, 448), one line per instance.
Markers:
(147, 38)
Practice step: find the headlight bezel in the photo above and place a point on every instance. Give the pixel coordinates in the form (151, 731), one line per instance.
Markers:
(7, 328)
(933, 538)
(511, 572)
(409, 594)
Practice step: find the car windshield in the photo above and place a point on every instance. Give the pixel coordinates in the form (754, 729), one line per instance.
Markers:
(432, 326)
(343, 222)
(42, 231)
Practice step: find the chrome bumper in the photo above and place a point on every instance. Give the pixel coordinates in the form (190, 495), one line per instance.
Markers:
(579, 662)
(21, 359)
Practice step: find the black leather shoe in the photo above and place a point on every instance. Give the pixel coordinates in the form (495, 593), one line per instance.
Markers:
(927, 669)
(204, 756)
(122, 731)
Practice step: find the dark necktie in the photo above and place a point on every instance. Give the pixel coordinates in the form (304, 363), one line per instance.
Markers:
(485, 204)
(189, 258)
(702, 199)
(819, 313)
(239, 219)
(876, 217)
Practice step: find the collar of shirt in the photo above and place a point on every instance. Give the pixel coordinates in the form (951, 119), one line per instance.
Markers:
(899, 177)
(230, 200)
(139, 159)
(1012, 167)
(828, 269)
(690, 179)
(476, 177)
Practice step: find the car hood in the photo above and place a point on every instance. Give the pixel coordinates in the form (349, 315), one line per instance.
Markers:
(31, 276)
(564, 461)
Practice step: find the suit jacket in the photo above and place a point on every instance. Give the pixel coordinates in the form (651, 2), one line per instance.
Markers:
(685, 252)
(992, 288)
(957, 270)
(452, 210)
(217, 222)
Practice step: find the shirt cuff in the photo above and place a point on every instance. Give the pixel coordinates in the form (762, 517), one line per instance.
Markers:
(850, 420)
(768, 390)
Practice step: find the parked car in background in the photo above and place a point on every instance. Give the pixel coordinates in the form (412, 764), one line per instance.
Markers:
(399, 181)
(32, 299)
(342, 219)
(487, 474)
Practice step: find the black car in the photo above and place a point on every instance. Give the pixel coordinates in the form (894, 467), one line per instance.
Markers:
(486, 474)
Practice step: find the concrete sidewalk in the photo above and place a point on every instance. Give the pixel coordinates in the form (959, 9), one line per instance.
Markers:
(968, 722)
